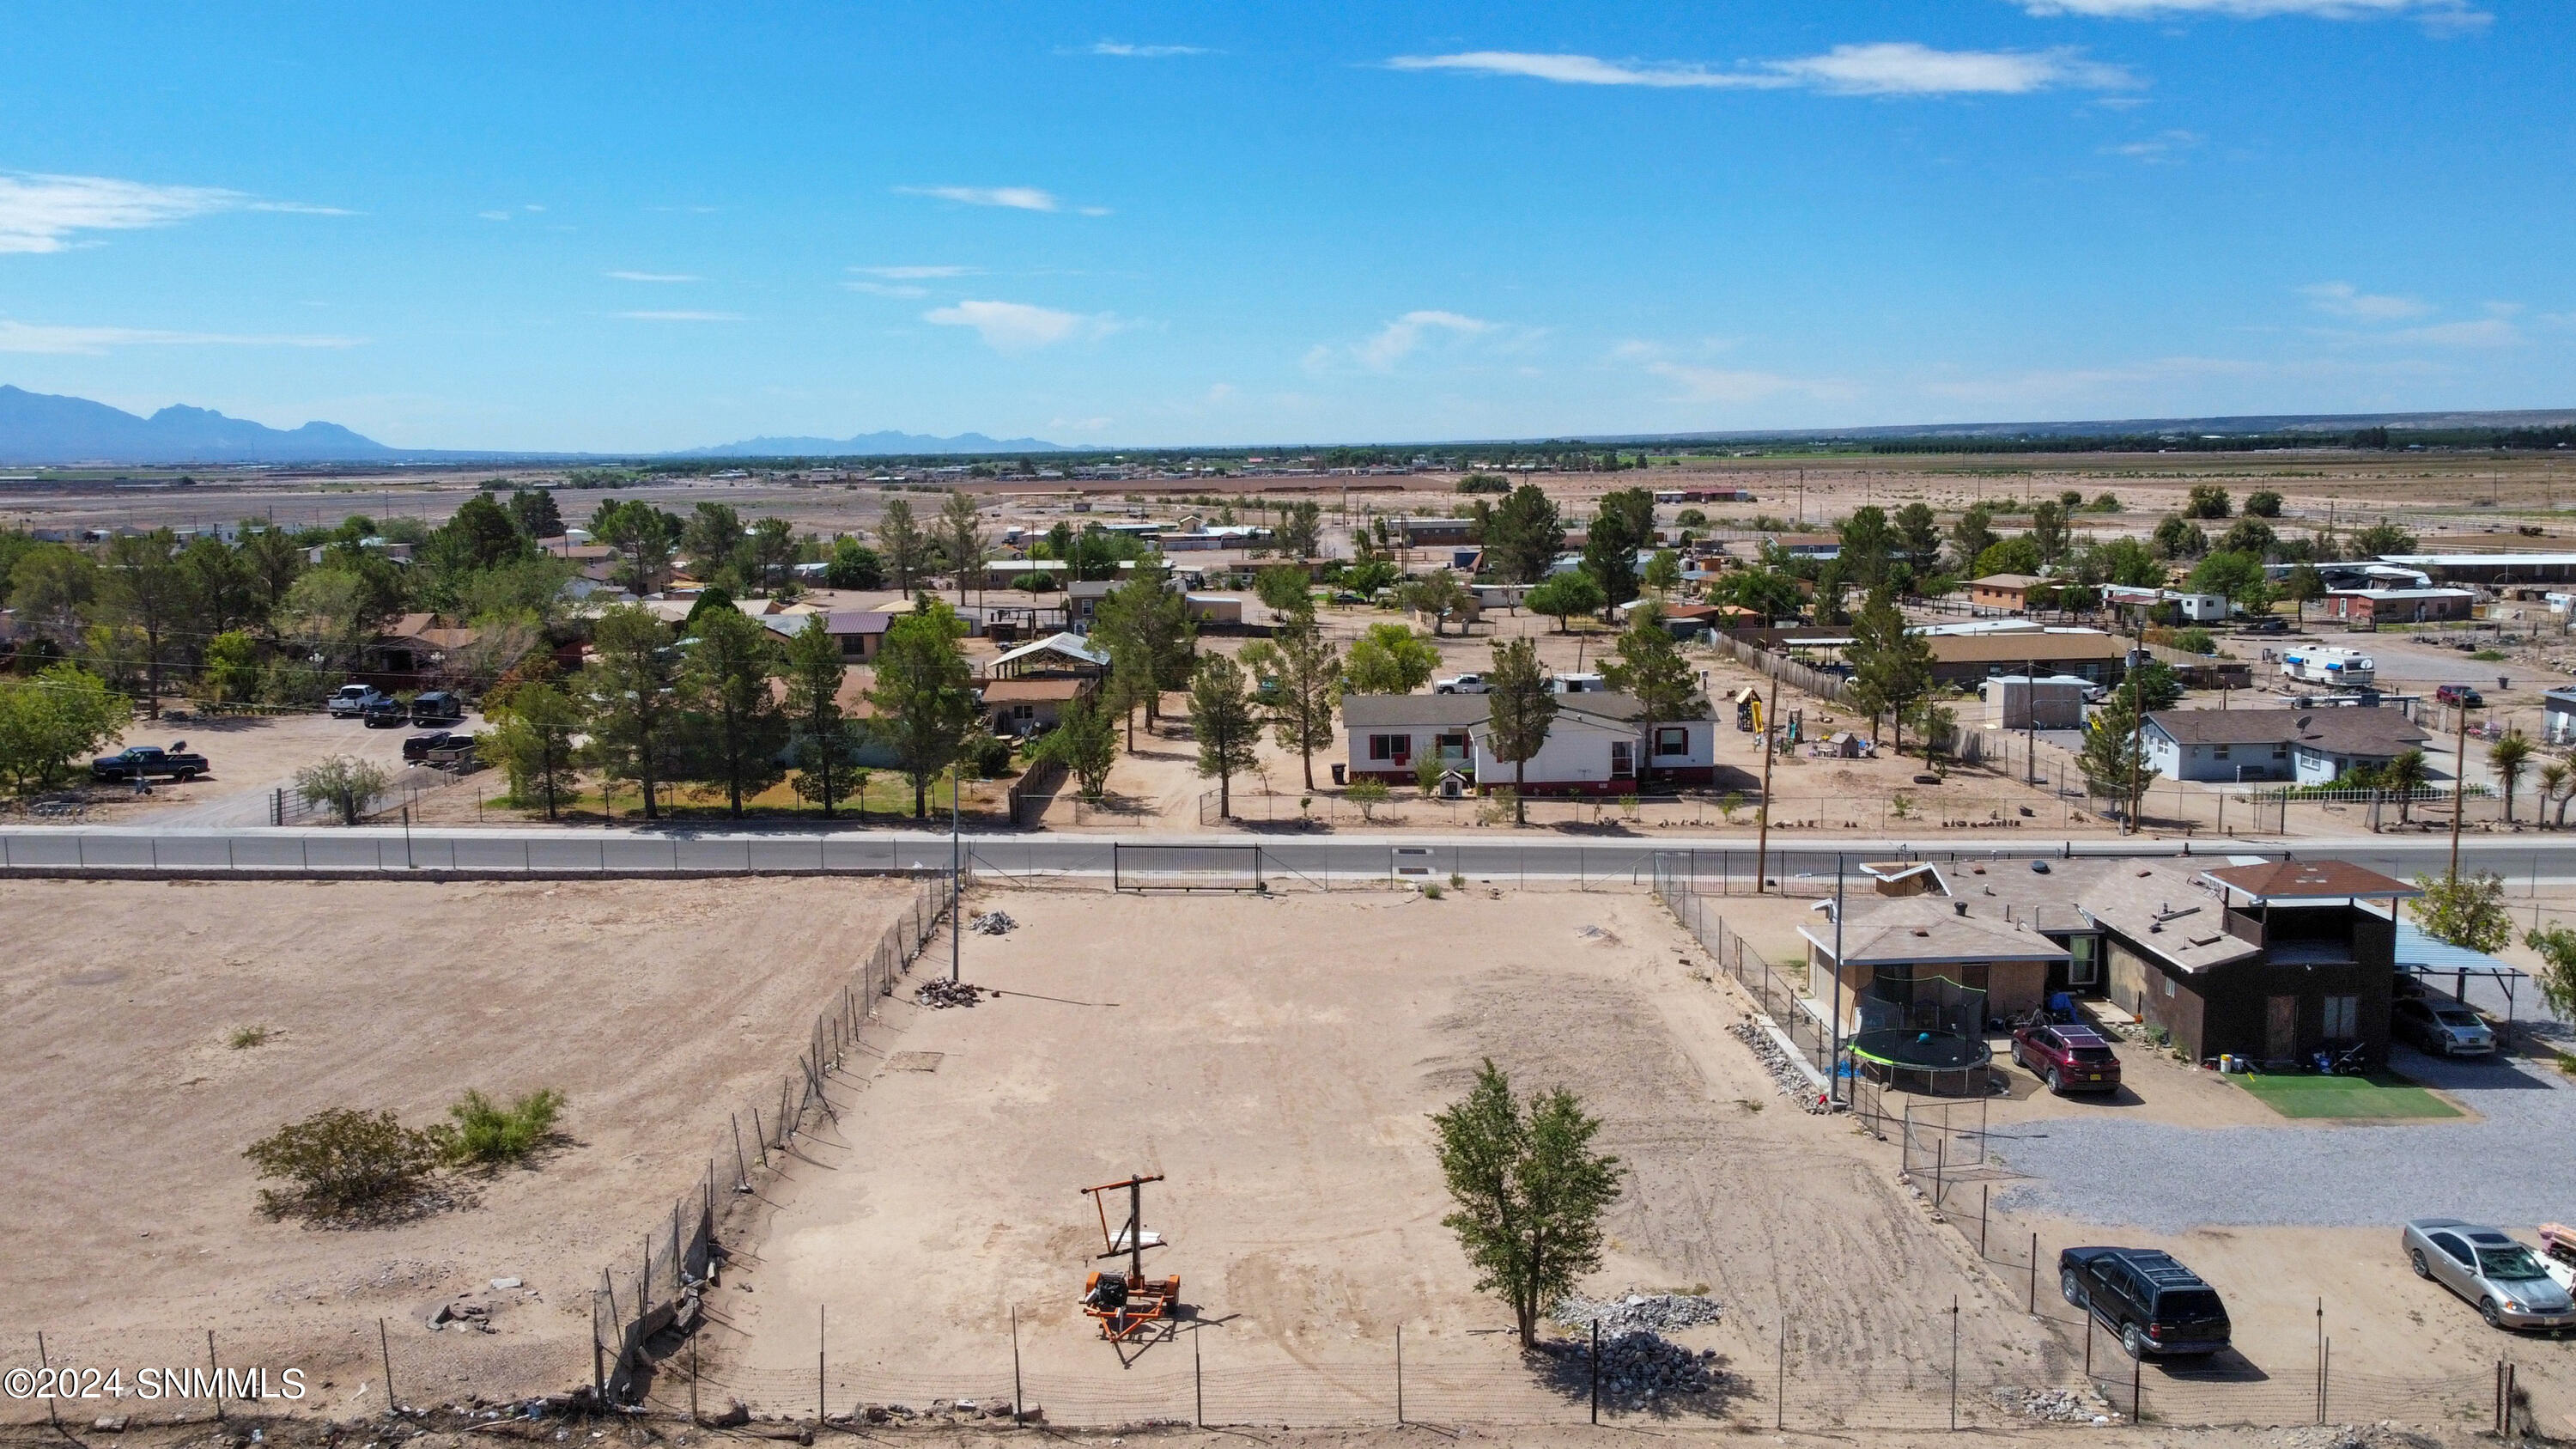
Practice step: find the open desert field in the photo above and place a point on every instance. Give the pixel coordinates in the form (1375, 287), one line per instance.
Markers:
(655, 1006)
(1277, 1061)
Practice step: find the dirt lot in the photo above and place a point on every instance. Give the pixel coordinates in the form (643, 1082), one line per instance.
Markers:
(133, 1216)
(250, 756)
(1281, 1080)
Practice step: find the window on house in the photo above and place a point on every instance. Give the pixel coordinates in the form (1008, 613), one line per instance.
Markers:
(1024, 711)
(1672, 740)
(2280, 752)
(2218, 752)
(2342, 1018)
(1623, 760)
(1391, 747)
(1451, 747)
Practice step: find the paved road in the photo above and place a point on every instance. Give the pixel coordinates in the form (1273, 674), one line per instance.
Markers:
(1335, 858)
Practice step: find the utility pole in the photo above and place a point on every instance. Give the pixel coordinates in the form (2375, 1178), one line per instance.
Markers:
(956, 879)
(1834, 1064)
(1762, 843)
(2137, 732)
(2459, 786)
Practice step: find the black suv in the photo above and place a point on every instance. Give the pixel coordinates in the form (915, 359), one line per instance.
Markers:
(436, 707)
(2155, 1304)
(385, 714)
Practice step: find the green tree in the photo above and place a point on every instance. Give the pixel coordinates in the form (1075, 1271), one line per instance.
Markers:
(2048, 531)
(2007, 556)
(1524, 536)
(2556, 978)
(1891, 665)
(642, 536)
(1650, 668)
(1530, 1192)
(1918, 539)
(2129, 563)
(1286, 592)
(906, 547)
(231, 671)
(631, 689)
(219, 586)
(345, 783)
(1085, 743)
(53, 718)
(2237, 577)
(822, 738)
(1301, 530)
(924, 698)
(854, 565)
(2381, 539)
(1390, 659)
(1664, 571)
(142, 588)
(2467, 912)
(1226, 724)
(1301, 687)
(1152, 621)
(2207, 500)
(1868, 550)
(2510, 758)
(1624, 524)
(1972, 535)
(739, 732)
(1565, 596)
(479, 535)
(273, 562)
(2249, 536)
(535, 727)
(713, 541)
(2113, 757)
(2175, 538)
(1520, 709)
(2263, 503)
(961, 537)
(2304, 585)
(1439, 595)
(534, 514)
(1767, 592)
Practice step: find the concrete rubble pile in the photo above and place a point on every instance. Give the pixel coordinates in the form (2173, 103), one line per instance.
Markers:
(1634, 1311)
(1638, 1368)
(2055, 1406)
(1793, 1082)
(992, 923)
(937, 993)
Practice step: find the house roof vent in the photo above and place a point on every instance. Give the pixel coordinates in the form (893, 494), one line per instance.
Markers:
(1960, 906)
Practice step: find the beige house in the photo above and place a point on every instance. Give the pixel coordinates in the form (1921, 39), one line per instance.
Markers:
(1890, 946)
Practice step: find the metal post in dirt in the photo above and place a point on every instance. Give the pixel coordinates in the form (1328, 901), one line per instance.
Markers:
(1762, 841)
(818, 1365)
(2034, 1283)
(759, 1136)
(1016, 1397)
(1399, 1375)
(2137, 1385)
(1954, 1365)
(1596, 1371)
(1780, 1392)
(2321, 1360)
(385, 1346)
(217, 1375)
(53, 1414)
(741, 1170)
(1198, 1386)
(1985, 1193)
(956, 870)
(1834, 1063)
(693, 1378)
(598, 1362)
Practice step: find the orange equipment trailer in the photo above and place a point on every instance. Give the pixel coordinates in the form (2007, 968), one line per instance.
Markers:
(1126, 1304)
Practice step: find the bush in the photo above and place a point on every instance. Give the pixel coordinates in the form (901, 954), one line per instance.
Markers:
(2106, 503)
(1034, 583)
(345, 783)
(2263, 503)
(243, 1038)
(1484, 483)
(487, 1134)
(2195, 641)
(1691, 518)
(348, 1166)
(987, 757)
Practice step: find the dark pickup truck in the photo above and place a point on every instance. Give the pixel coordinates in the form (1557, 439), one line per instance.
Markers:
(2155, 1304)
(148, 762)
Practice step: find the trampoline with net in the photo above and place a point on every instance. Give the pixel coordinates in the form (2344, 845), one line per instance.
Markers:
(1923, 1034)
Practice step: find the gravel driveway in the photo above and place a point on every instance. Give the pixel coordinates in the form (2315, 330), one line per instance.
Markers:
(2513, 1168)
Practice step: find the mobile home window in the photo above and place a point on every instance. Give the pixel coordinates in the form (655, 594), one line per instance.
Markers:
(1390, 747)
(1623, 759)
(1672, 740)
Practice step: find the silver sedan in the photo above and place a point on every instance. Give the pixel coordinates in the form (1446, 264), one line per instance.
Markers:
(2502, 1277)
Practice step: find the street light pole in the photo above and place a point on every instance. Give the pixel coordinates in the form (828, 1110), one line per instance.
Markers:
(956, 878)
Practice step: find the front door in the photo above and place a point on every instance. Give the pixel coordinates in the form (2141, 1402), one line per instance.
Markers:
(2281, 1029)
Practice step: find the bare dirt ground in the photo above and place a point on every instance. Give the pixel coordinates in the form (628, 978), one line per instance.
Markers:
(1277, 1060)
(250, 756)
(657, 1006)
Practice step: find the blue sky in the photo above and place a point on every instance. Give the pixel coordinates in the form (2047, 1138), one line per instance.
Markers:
(635, 227)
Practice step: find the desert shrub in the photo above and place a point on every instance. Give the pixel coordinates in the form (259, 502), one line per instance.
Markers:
(243, 1038)
(2195, 641)
(988, 757)
(488, 1134)
(344, 783)
(347, 1166)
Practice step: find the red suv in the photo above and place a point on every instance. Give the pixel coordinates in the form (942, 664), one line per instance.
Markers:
(2459, 694)
(2068, 1058)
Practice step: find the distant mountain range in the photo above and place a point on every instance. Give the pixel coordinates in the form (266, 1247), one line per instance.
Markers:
(40, 427)
(871, 445)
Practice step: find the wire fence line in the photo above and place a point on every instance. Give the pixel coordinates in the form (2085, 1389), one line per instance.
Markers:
(678, 1258)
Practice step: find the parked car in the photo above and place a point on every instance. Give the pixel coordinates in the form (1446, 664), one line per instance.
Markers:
(417, 748)
(385, 714)
(2068, 1058)
(149, 762)
(1460, 684)
(2154, 1303)
(2465, 696)
(350, 701)
(436, 707)
(2267, 625)
(2442, 1028)
(2502, 1277)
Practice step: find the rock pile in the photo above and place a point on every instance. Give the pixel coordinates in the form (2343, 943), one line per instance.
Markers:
(992, 923)
(1639, 1368)
(939, 993)
(1793, 1082)
(2052, 1406)
(1635, 1311)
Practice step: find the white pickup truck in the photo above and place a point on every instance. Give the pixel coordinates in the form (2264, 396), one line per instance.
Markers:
(350, 701)
(1460, 684)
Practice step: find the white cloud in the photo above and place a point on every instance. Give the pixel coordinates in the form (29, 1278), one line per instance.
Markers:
(1018, 326)
(1017, 198)
(2342, 299)
(681, 316)
(493, 215)
(2484, 332)
(1078, 425)
(885, 289)
(2440, 13)
(32, 337)
(1726, 385)
(2162, 149)
(45, 213)
(1397, 339)
(1885, 68)
(1147, 52)
(908, 274)
(655, 277)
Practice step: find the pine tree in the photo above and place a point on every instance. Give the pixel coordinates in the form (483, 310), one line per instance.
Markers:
(1226, 725)
(1520, 709)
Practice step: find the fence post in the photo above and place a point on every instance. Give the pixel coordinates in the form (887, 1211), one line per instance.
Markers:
(217, 1374)
(1198, 1386)
(598, 1361)
(1780, 1394)
(1016, 1397)
(2034, 1275)
(819, 1391)
(54, 1415)
(385, 1346)
(1399, 1375)
(1596, 1371)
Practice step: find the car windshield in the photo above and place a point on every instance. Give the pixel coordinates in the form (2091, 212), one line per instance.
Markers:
(2509, 1264)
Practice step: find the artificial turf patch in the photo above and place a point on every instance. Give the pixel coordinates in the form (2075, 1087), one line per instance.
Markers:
(2379, 1096)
